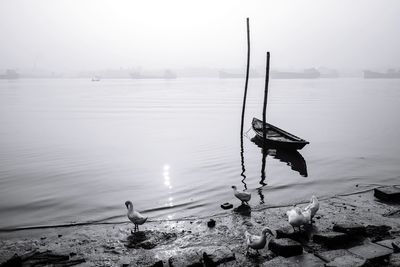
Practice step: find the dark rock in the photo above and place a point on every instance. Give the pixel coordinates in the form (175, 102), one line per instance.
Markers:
(14, 261)
(371, 251)
(377, 232)
(149, 239)
(285, 247)
(158, 264)
(215, 255)
(288, 232)
(387, 193)
(349, 228)
(188, 257)
(396, 246)
(330, 255)
(350, 260)
(331, 238)
(227, 206)
(392, 214)
(243, 209)
(211, 223)
(59, 235)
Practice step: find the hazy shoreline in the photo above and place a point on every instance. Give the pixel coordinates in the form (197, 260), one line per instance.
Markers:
(109, 244)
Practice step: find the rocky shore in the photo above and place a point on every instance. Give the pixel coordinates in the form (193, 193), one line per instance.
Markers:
(361, 229)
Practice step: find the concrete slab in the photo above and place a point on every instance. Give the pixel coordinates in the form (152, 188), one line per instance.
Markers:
(347, 261)
(285, 247)
(349, 228)
(387, 193)
(371, 251)
(307, 259)
(377, 232)
(278, 262)
(388, 242)
(330, 255)
(288, 232)
(331, 238)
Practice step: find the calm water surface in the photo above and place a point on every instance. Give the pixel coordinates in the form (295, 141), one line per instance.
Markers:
(76, 150)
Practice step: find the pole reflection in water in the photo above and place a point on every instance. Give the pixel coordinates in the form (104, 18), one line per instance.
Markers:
(291, 157)
(242, 162)
(263, 176)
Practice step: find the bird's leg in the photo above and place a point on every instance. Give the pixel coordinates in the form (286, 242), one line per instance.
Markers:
(137, 226)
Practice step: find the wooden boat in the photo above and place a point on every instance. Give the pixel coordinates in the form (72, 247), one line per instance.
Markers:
(276, 137)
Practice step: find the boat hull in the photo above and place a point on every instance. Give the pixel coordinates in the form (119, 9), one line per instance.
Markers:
(276, 137)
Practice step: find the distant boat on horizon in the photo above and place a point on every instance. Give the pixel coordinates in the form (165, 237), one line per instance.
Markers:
(168, 74)
(306, 74)
(230, 75)
(390, 74)
(10, 75)
(95, 78)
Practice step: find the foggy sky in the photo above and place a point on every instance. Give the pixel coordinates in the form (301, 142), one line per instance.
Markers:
(96, 34)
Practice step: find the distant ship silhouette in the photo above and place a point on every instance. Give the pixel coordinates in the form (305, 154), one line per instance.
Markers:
(10, 75)
(168, 74)
(390, 74)
(306, 74)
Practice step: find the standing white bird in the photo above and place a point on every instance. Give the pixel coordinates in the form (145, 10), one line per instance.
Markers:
(297, 218)
(313, 207)
(134, 216)
(258, 242)
(242, 196)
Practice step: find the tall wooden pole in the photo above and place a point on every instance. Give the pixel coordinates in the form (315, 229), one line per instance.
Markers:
(247, 76)
(265, 98)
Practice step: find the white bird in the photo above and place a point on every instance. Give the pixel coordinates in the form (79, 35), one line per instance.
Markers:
(134, 216)
(313, 207)
(297, 218)
(242, 196)
(258, 242)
